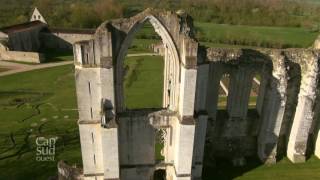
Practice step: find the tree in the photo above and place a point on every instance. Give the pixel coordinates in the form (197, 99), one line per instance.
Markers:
(83, 16)
(108, 9)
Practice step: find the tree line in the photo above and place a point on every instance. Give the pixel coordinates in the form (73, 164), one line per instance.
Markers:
(90, 13)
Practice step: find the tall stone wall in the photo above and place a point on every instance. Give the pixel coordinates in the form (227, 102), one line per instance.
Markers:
(113, 144)
(283, 118)
(20, 56)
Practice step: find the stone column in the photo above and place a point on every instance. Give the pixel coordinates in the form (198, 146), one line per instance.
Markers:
(199, 144)
(201, 123)
(166, 74)
(304, 115)
(202, 87)
(110, 151)
(239, 92)
(261, 94)
(215, 74)
(109, 128)
(185, 123)
(184, 143)
(88, 89)
(90, 138)
(273, 110)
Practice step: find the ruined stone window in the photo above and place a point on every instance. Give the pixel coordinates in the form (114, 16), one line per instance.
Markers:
(143, 72)
(82, 54)
(159, 174)
(160, 137)
(223, 91)
(255, 88)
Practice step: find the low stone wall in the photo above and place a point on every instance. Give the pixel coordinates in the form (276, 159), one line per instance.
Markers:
(20, 56)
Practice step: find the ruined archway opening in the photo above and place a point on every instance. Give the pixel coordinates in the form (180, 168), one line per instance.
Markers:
(144, 70)
(223, 91)
(160, 137)
(255, 92)
(147, 66)
(171, 63)
(159, 174)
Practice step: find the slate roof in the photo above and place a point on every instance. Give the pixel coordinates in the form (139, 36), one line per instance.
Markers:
(22, 27)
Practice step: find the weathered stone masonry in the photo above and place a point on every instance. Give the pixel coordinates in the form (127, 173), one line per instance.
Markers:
(118, 143)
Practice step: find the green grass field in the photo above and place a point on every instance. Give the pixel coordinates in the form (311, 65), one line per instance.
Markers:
(42, 103)
(143, 82)
(223, 35)
(142, 46)
(37, 103)
(278, 37)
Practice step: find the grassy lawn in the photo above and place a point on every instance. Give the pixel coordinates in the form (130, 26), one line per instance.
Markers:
(254, 35)
(224, 35)
(37, 103)
(143, 82)
(142, 46)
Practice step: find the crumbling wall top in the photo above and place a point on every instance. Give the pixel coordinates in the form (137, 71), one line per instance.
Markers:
(238, 55)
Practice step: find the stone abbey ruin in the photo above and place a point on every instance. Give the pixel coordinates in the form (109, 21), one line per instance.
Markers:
(119, 143)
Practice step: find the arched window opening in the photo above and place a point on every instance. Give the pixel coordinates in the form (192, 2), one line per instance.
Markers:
(255, 88)
(223, 91)
(160, 137)
(143, 84)
(159, 174)
(144, 70)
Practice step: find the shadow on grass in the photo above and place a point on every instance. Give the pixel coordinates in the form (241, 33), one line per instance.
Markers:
(223, 169)
(54, 55)
(219, 161)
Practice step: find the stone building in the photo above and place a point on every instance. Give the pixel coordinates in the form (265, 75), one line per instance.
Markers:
(118, 143)
(37, 16)
(26, 41)
(25, 36)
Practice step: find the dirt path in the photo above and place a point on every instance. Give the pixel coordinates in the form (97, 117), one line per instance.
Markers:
(18, 67)
(143, 54)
